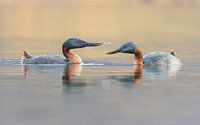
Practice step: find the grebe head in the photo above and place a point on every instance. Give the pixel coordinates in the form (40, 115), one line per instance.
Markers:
(128, 47)
(73, 43)
(131, 48)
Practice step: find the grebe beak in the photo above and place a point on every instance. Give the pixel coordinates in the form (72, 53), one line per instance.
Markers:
(90, 44)
(115, 51)
(128, 47)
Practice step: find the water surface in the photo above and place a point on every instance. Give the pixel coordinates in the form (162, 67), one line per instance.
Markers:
(98, 94)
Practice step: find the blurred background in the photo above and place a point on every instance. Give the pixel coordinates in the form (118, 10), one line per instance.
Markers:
(41, 26)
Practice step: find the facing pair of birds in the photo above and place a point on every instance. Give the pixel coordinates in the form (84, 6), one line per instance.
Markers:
(154, 58)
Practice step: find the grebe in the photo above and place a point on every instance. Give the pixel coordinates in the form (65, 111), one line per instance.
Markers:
(69, 57)
(151, 59)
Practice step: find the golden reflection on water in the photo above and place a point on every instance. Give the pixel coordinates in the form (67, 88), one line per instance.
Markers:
(41, 27)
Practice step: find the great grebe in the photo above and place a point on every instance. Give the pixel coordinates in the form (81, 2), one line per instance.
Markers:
(69, 57)
(153, 58)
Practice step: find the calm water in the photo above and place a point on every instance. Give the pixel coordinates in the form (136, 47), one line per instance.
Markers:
(98, 94)
(106, 90)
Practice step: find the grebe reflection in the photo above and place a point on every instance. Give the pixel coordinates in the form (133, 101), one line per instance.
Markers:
(72, 76)
(140, 72)
(134, 78)
(41, 70)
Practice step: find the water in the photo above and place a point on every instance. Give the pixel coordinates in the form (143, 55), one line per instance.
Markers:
(98, 94)
(105, 90)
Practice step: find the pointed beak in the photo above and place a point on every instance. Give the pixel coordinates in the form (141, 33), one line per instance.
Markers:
(90, 44)
(115, 51)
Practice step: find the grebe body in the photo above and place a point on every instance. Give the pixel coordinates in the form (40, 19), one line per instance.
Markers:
(68, 57)
(153, 58)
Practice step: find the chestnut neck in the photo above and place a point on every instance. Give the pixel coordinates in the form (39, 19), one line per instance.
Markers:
(138, 57)
(73, 58)
(138, 70)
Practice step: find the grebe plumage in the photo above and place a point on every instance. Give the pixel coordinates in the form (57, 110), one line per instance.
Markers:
(69, 57)
(153, 58)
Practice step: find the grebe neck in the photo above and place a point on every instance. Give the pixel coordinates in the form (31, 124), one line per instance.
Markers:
(138, 57)
(138, 70)
(73, 58)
